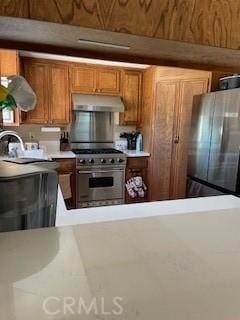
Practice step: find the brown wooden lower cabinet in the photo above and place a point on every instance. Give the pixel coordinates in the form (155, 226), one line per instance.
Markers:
(68, 166)
(136, 166)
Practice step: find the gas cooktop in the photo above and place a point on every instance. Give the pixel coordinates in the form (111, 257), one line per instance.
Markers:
(96, 151)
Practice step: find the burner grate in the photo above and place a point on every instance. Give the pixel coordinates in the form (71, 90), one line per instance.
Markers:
(96, 151)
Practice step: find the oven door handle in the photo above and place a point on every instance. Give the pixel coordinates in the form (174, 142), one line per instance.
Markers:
(100, 171)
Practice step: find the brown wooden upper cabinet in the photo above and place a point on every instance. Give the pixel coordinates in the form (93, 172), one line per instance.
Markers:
(83, 79)
(50, 82)
(37, 74)
(132, 97)
(59, 98)
(9, 66)
(95, 80)
(126, 83)
(9, 63)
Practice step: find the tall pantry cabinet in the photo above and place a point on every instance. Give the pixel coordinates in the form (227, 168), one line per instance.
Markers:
(166, 117)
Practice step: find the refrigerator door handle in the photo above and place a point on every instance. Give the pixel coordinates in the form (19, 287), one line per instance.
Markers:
(238, 177)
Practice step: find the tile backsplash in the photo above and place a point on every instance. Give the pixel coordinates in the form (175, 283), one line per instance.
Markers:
(119, 129)
(26, 131)
(32, 132)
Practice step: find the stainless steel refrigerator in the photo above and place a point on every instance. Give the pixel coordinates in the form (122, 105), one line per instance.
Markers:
(213, 159)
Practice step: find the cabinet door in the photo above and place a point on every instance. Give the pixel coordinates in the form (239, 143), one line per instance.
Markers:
(59, 95)
(188, 89)
(108, 81)
(165, 105)
(9, 66)
(68, 166)
(132, 94)
(83, 79)
(37, 76)
(136, 167)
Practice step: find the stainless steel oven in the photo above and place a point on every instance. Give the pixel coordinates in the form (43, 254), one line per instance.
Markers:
(100, 177)
(97, 187)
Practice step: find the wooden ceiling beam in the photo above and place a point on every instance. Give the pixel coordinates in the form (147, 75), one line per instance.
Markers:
(26, 34)
(207, 22)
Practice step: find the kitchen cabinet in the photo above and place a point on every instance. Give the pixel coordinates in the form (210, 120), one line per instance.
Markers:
(65, 167)
(168, 98)
(132, 97)
(112, 81)
(59, 97)
(83, 79)
(108, 81)
(9, 66)
(95, 80)
(9, 62)
(136, 166)
(50, 82)
(36, 74)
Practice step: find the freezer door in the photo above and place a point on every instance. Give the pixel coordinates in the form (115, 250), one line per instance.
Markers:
(200, 135)
(224, 150)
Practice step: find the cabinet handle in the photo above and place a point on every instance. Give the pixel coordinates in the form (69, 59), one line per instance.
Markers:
(176, 139)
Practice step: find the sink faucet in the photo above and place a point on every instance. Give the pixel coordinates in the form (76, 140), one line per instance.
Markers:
(14, 134)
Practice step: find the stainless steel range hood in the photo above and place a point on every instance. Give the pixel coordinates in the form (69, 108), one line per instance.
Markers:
(88, 102)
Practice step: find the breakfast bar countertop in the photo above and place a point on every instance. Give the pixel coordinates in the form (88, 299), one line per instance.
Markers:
(168, 266)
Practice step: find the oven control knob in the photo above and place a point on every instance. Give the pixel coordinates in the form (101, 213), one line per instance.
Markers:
(120, 160)
(111, 160)
(103, 160)
(91, 161)
(82, 161)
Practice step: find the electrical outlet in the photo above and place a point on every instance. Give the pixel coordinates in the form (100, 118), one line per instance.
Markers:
(31, 136)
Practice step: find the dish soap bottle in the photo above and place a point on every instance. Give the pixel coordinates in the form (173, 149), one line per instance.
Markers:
(139, 143)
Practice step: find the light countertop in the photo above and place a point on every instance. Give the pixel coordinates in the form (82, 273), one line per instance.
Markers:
(61, 154)
(71, 155)
(167, 266)
(139, 210)
(4, 158)
(51, 155)
(134, 153)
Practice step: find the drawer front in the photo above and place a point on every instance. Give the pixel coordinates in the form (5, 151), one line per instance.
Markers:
(66, 165)
(137, 163)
